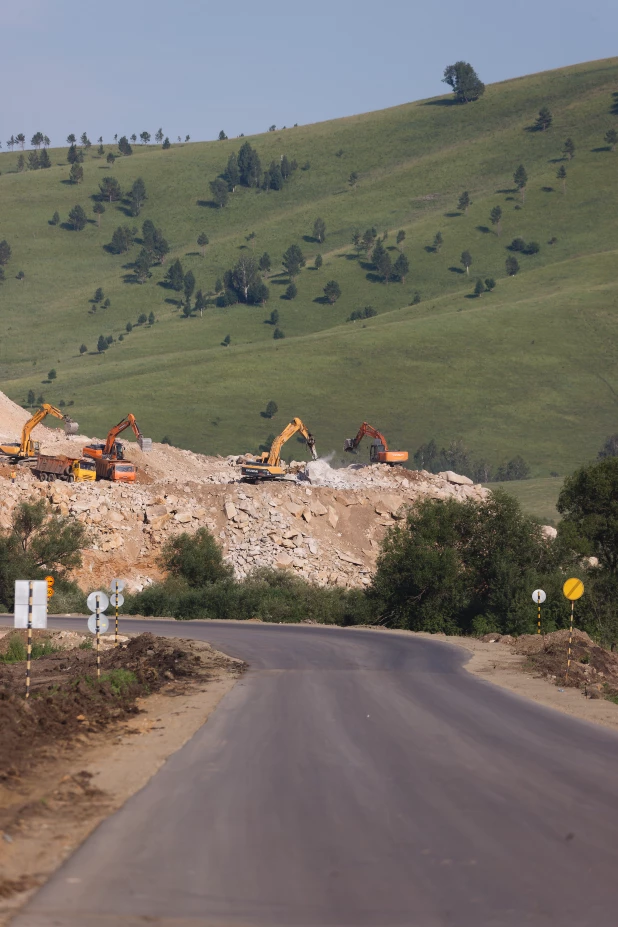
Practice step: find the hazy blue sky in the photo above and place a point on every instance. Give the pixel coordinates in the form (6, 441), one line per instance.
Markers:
(123, 66)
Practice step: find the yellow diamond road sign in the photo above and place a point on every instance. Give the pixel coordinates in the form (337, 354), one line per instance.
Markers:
(573, 589)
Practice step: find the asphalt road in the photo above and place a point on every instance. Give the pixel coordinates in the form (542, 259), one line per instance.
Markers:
(356, 779)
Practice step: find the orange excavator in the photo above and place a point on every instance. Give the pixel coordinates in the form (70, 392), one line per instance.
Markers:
(378, 451)
(27, 449)
(112, 449)
(268, 465)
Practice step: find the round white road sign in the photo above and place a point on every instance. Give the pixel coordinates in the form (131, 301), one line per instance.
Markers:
(117, 599)
(91, 601)
(117, 585)
(538, 596)
(103, 624)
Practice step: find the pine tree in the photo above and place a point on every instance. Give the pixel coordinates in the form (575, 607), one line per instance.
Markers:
(220, 192)
(102, 344)
(175, 276)
(21, 164)
(231, 173)
(495, 217)
(466, 260)
(401, 237)
(544, 119)
(33, 161)
(98, 209)
(188, 285)
(202, 240)
(512, 266)
(111, 159)
(319, 230)
(167, 144)
(264, 263)
(159, 136)
(293, 260)
(222, 136)
(151, 318)
(291, 292)
(438, 242)
(479, 288)
(464, 202)
(332, 291)
(569, 149)
(76, 174)
(274, 317)
(99, 295)
(271, 408)
(142, 266)
(77, 218)
(44, 159)
(110, 189)
(286, 167)
(55, 219)
(402, 267)
(137, 195)
(5, 252)
(561, 174)
(520, 178)
(83, 349)
(145, 138)
(124, 146)
(611, 138)
(318, 261)
(200, 303)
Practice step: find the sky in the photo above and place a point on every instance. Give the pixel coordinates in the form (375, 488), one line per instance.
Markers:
(195, 67)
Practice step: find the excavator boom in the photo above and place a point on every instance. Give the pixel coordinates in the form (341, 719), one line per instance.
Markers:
(378, 452)
(28, 448)
(268, 467)
(112, 448)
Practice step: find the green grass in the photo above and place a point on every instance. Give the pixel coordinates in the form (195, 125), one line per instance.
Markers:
(530, 369)
(119, 680)
(538, 496)
(17, 652)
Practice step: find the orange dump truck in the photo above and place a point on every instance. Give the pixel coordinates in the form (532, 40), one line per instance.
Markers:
(117, 471)
(58, 467)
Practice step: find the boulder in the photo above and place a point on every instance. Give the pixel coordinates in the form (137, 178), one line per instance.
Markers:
(155, 511)
(230, 510)
(548, 532)
(283, 560)
(457, 478)
(333, 518)
(294, 508)
(183, 517)
(317, 508)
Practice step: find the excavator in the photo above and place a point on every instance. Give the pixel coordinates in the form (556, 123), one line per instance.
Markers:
(268, 465)
(27, 449)
(378, 452)
(112, 449)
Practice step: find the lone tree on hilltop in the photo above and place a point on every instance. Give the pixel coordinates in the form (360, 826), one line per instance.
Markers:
(611, 137)
(437, 242)
(98, 209)
(495, 217)
(222, 138)
(332, 291)
(561, 174)
(464, 202)
(512, 265)
(544, 119)
(77, 218)
(520, 179)
(220, 192)
(569, 149)
(401, 237)
(202, 240)
(465, 82)
(319, 230)
(466, 260)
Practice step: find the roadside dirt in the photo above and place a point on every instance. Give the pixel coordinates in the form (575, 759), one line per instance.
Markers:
(77, 751)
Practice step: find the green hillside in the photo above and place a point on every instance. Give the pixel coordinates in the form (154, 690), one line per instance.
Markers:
(530, 368)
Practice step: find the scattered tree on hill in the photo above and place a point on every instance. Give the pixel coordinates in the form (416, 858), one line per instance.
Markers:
(124, 146)
(71, 139)
(188, 285)
(134, 138)
(142, 318)
(83, 349)
(464, 202)
(44, 159)
(21, 164)
(77, 218)
(464, 81)
(438, 242)
(490, 284)
(286, 167)
(264, 263)
(611, 138)
(318, 261)
(76, 174)
(129, 327)
(512, 265)
(466, 260)
(37, 140)
(495, 217)
(544, 119)
(520, 179)
(31, 397)
(122, 239)
(569, 149)
(5, 252)
(479, 288)
(102, 344)
(401, 237)
(110, 189)
(55, 219)
(142, 265)
(98, 295)
(278, 334)
(228, 338)
(232, 173)
(11, 142)
(532, 247)
(154, 242)
(244, 276)
(175, 276)
(107, 303)
(222, 138)
(111, 159)
(145, 138)
(249, 166)
(319, 230)
(273, 178)
(291, 292)
(98, 209)
(159, 136)
(258, 293)
(353, 180)
(21, 140)
(271, 409)
(85, 140)
(52, 374)
(202, 240)
(137, 195)
(402, 267)
(151, 318)
(166, 144)
(293, 259)
(332, 291)
(33, 161)
(367, 313)
(382, 261)
(220, 192)
(274, 317)
(200, 303)
(518, 244)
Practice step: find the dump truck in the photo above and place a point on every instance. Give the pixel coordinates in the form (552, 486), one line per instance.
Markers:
(117, 471)
(379, 451)
(268, 465)
(59, 467)
(27, 449)
(112, 449)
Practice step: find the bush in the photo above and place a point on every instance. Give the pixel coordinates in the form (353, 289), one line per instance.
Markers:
(196, 559)
(278, 334)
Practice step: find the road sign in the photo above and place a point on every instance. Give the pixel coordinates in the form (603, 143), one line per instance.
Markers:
(50, 586)
(103, 624)
(91, 601)
(117, 585)
(50, 580)
(573, 589)
(117, 599)
(538, 596)
(39, 603)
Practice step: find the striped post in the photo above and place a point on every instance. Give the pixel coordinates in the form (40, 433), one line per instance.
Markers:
(30, 595)
(538, 624)
(98, 641)
(570, 642)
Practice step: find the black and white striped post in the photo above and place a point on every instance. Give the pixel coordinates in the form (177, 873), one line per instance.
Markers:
(97, 623)
(29, 658)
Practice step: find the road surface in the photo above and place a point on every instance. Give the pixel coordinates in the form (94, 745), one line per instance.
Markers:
(356, 779)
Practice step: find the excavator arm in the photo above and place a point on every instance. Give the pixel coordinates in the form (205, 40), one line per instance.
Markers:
(379, 451)
(128, 422)
(27, 447)
(274, 456)
(112, 449)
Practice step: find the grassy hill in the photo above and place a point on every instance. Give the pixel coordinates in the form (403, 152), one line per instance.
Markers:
(530, 369)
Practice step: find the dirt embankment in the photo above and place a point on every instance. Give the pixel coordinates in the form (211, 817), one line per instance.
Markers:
(75, 752)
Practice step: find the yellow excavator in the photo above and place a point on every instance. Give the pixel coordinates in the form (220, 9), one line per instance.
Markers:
(27, 449)
(379, 451)
(268, 465)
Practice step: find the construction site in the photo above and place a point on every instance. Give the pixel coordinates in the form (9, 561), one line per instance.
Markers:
(325, 524)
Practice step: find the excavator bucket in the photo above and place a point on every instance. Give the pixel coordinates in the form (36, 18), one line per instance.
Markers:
(348, 444)
(145, 444)
(70, 427)
(311, 446)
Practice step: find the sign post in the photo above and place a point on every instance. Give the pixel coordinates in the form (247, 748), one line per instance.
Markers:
(573, 590)
(30, 606)
(30, 612)
(538, 596)
(117, 585)
(97, 602)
